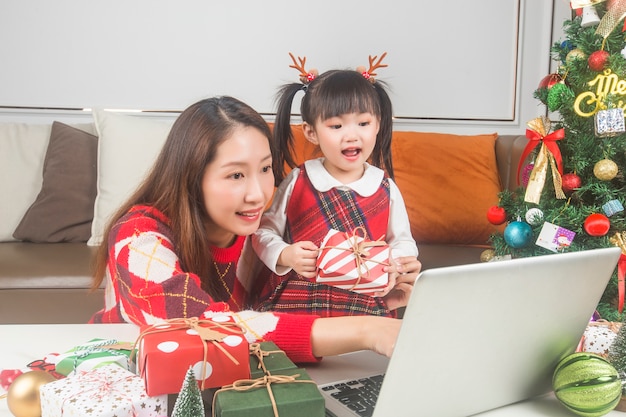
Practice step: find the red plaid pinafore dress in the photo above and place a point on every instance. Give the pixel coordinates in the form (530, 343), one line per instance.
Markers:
(310, 215)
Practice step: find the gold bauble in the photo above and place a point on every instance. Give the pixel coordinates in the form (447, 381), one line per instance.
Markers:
(575, 54)
(605, 170)
(487, 255)
(23, 395)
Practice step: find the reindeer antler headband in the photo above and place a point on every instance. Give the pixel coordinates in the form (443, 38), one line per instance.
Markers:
(374, 65)
(307, 76)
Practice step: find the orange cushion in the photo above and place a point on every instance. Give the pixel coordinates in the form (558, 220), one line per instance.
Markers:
(448, 183)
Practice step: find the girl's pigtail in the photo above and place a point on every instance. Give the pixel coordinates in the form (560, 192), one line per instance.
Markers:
(282, 145)
(381, 156)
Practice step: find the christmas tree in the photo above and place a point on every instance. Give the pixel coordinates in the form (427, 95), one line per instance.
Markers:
(572, 187)
(189, 401)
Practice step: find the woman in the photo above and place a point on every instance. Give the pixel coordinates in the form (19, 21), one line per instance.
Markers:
(173, 249)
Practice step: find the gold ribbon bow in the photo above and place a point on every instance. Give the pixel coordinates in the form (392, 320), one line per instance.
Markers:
(206, 334)
(579, 4)
(619, 240)
(549, 154)
(615, 12)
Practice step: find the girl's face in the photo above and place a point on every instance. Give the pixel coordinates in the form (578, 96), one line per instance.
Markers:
(237, 185)
(347, 141)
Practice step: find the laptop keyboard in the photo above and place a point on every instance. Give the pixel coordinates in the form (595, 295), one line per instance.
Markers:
(359, 395)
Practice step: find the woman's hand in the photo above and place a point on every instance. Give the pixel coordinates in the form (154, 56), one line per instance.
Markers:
(338, 335)
(403, 272)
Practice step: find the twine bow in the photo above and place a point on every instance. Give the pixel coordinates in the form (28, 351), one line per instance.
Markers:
(360, 249)
(619, 239)
(549, 153)
(255, 350)
(266, 381)
(613, 326)
(206, 334)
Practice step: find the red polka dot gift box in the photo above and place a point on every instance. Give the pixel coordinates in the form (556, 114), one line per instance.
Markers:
(215, 348)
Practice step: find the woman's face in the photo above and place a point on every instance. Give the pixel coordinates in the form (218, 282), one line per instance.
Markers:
(237, 186)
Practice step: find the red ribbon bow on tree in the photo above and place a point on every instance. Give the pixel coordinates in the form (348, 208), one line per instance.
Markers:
(536, 134)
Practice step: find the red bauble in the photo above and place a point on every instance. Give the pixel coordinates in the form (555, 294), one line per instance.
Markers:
(549, 80)
(7, 376)
(597, 224)
(570, 182)
(597, 60)
(496, 215)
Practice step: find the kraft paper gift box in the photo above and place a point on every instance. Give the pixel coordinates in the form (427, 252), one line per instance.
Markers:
(109, 390)
(93, 354)
(293, 394)
(353, 262)
(215, 348)
(267, 358)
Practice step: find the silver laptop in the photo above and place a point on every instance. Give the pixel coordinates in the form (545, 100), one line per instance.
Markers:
(480, 336)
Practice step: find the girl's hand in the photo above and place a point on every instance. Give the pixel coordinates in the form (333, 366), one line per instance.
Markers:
(403, 272)
(301, 257)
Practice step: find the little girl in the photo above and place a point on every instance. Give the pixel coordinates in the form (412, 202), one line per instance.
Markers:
(348, 114)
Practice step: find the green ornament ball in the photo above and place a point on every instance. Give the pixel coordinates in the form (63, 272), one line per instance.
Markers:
(556, 96)
(587, 384)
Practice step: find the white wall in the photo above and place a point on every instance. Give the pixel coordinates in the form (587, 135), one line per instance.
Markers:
(454, 66)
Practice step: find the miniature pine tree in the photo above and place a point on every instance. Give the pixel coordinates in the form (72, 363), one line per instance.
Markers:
(617, 352)
(189, 401)
(586, 100)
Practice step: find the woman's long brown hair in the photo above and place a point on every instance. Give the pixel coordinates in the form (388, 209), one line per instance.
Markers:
(174, 184)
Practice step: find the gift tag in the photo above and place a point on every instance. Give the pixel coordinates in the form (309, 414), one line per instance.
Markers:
(554, 238)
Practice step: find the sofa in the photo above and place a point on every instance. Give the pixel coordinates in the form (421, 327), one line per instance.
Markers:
(59, 181)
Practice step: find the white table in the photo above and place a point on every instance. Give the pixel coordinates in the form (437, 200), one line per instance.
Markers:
(21, 344)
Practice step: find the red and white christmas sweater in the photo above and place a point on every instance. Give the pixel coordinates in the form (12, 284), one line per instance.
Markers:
(145, 284)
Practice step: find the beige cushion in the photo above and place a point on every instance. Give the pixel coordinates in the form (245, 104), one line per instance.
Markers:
(22, 153)
(127, 148)
(63, 209)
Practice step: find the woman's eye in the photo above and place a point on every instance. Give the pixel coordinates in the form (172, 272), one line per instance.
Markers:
(237, 176)
(267, 168)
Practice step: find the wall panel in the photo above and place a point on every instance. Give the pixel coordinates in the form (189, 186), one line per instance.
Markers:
(453, 64)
